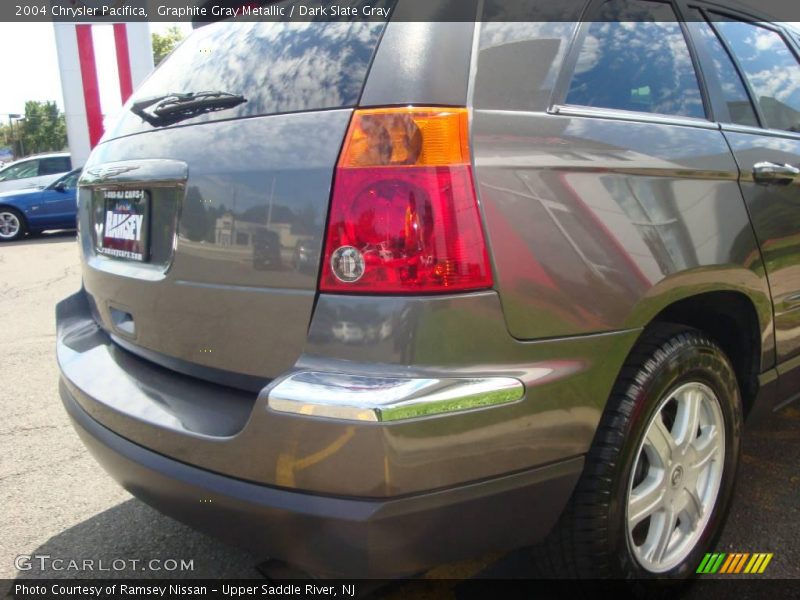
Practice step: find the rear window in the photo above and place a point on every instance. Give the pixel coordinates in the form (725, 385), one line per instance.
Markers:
(278, 67)
(635, 58)
(54, 165)
(771, 68)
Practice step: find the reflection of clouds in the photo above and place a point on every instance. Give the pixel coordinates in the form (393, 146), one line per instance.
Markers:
(771, 69)
(620, 67)
(495, 34)
(590, 55)
(762, 40)
(278, 67)
(779, 83)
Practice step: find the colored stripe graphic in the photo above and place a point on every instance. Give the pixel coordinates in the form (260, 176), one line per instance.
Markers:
(732, 558)
(733, 563)
(702, 567)
(742, 561)
(718, 564)
(711, 563)
(751, 564)
(764, 564)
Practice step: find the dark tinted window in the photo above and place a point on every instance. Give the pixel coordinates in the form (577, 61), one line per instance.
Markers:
(277, 66)
(635, 57)
(51, 166)
(771, 68)
(731, 85)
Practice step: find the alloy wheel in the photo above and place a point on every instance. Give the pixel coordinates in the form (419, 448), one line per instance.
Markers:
(676, 477)
(9, 225)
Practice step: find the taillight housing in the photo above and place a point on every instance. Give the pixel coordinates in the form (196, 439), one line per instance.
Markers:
(404, 216)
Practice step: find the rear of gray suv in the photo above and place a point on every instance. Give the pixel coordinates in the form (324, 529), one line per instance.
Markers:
(368, 297)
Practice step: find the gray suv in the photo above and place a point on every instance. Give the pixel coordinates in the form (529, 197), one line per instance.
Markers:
(550, 270)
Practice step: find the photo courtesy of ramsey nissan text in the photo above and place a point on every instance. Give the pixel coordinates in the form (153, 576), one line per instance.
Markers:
(400, 299)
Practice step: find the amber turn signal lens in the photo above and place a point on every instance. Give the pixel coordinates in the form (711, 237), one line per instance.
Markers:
(404, 216)
(407, 136)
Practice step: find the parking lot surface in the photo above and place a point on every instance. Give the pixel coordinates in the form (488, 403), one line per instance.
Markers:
(56, 501)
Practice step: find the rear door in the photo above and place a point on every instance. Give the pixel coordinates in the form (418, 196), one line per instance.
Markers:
(763, 130)
(189, 228)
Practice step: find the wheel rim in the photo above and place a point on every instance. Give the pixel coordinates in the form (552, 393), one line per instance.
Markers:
(9, 225)
(676, 477)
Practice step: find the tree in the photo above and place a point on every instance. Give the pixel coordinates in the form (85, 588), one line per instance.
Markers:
(164, 43)
(44, 129)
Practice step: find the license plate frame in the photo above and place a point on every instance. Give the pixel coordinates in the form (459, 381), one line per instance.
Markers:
(126, 225)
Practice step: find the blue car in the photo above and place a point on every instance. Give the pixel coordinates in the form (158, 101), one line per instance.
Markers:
(32, 211)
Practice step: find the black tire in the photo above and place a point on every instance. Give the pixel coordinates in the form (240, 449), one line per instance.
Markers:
(23, 225)
(591, 539)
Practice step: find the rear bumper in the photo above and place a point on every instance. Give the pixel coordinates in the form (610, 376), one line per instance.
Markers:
(342, 495)
(342, 536)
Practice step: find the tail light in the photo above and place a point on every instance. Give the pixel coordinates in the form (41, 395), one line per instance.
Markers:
(404, 216)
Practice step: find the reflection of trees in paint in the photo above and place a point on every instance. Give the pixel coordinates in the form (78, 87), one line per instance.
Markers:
(164, 43)
(196, 222)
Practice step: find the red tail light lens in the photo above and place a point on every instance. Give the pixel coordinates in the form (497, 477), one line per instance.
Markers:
(404, 216)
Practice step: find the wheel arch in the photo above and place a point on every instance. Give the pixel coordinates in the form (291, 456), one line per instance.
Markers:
(731, 318)
(25, 222)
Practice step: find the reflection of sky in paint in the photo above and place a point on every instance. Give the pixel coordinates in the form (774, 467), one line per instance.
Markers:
(771, 69)
(620, 67)
(278, 67)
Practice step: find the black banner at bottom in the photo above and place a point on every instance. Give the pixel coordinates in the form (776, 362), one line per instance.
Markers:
(206, 589)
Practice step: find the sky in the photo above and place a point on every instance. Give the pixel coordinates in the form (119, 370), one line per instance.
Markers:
(29, 65)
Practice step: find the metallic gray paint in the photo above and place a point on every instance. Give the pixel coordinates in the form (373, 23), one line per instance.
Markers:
(333, 535)
(774, 209)
(421, 63)
(205, 297)
(597, 223)
(566, 382)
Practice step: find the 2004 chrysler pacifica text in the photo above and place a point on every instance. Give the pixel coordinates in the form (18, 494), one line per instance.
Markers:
(551, 269)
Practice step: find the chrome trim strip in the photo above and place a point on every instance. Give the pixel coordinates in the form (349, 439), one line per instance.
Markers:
(750, 129)
(381, 399)
(145, 172)
(569, 110)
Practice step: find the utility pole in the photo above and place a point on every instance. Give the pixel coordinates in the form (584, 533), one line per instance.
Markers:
(21, 145)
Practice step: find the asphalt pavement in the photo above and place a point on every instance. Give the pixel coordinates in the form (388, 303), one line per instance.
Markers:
(56, 501)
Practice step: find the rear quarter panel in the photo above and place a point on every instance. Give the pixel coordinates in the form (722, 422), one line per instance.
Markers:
(597, 220)
(597, 224)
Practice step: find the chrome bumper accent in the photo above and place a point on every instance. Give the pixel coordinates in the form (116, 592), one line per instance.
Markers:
(379, 399)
